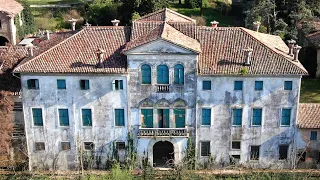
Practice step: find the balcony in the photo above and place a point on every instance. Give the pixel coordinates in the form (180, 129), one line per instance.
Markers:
(163, 88)
(163, 132)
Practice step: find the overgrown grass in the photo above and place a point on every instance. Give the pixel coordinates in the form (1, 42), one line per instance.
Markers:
(310, 91)
(52, 2)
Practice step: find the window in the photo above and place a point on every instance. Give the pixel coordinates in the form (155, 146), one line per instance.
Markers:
(237, 117)
(37, 116)
(117, 85)
(63, 117)
(257, 117)
(146, 74)
(234, 159)
(180, 117)
(238, 85)
(84, 84)
(254, 152)
(89, 146)
(147, 115)
(33, 84)
(288, 85)
(235, 145)
(178, 74)
(313, 135)
(258, 85)
(163, 118)
(86, 117)
(65, 146)
(119, 117)
(283, 152)
(206, 117)
(162, 74)
(206, 85)
(205, 148)
(120, 145)
(61, 84)
(39, 146)
(286, 114)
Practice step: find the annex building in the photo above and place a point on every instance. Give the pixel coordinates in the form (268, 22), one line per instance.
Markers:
(161, 82)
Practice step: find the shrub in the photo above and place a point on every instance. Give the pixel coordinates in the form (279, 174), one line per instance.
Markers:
(200, 20)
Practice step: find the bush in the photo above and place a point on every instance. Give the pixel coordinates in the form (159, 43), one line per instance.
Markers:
(193, 3)
(200, 20)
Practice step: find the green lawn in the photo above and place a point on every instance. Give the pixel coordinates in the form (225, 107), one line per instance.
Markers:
(310, 91)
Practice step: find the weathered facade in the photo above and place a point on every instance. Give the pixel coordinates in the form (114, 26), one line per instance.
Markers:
(161, 83)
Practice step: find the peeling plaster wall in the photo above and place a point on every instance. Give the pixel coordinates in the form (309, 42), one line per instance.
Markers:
(8, 28)
(310, 147)
(222, 98)
(100, 98)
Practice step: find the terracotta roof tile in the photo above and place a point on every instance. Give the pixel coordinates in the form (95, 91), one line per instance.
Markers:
(77, 54)
(10, 7)
(166, 15)
(309, 115)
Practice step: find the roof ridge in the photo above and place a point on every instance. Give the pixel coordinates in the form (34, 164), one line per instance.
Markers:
(265, 45)
(150, 14)
(50, 49)
(179, 14)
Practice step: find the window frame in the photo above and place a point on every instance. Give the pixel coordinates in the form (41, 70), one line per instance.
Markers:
(85, 84)
(250, 155)
(203, 83)
(316, 136)
(59, 117)
(255, 86)
(261, 117)
(82, 122)
(235, 85)
(285, 125)
(120, 143)
(117, 85)
(142, 76)
(285, 86)
(283, 159)
(179, 69)
(210, 117)
(239, 145)
(39, 150)
(209, 152)
(42, 117)
(62, 145)
(65, 84)
(36, 84)
(232, 118)
(124, 118)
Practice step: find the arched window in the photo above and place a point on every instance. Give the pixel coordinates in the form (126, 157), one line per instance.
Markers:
(162, 74)
(146, 74)
(178, 74)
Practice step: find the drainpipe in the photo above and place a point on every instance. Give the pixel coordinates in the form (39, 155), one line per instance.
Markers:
(296, 128)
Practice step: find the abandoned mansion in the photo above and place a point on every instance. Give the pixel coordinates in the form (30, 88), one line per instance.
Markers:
(162, 83)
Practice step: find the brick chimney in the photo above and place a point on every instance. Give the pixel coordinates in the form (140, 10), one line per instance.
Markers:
(296, 50)
(73, 24)
(30, 51)
(115, 22)
(48, 34)
(100, 53)
(291, 44)
(214, 24)
(256, 25)
(248, 54)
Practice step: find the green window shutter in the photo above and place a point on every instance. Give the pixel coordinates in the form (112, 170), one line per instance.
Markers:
(288, 85)
(238, 85)
(146, 74)
(29, 84)
(37, 116)
(180, 117)
(64, 117)
(121, 84)
(162, 74)
(119, 117)
(257, 117)
(114, 85)
(286, 116)
(148, 117)
(258, 86)
(163, 116)
(178, 74)
(205, 148)
(206, 85)
(87, 85)
(313, 135)
(86, 117)
(237, 117)
(206, 117)
(61, 84)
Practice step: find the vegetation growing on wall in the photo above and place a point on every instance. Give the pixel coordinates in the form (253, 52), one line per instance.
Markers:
(28, 23)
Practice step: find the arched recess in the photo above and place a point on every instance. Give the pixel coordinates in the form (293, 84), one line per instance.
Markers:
(179, 103)
(146, 113)
(163, 103)
(146, 103)
(3, 41)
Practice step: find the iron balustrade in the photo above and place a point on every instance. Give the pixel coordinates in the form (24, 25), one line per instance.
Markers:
(163, 88)
(163, 132)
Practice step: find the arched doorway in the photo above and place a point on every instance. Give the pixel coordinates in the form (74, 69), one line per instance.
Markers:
(163, 154)
(3, 41)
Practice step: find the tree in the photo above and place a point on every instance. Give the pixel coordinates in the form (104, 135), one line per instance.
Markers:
(28, 23)
(101, 12)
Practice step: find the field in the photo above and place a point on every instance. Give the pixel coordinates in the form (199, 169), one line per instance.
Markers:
(310, 91)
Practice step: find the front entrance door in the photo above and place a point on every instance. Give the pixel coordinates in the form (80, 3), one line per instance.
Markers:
(163, 115)
(163, 154)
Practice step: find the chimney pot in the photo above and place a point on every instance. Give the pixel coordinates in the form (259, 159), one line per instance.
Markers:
(291, 44)
(296, 50)
(73, 24)
(214, 24)
(248, 53)
(100, 53)
(48, 34)
(256, 25)
(115, 22)
(30, 50)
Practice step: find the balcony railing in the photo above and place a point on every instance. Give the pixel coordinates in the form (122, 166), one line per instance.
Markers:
(163, 88)
(163, 132)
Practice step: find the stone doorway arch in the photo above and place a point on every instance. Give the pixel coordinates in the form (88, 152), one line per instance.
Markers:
(163, 154)
(3, 41)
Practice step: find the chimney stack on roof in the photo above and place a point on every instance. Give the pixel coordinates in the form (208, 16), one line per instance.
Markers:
(73, 24)
(248, 54)
(256, 25)
(291, 44)
(296, 50)
(214, 23)
(100, 53)
(30, 50)
(48, 34)
(115, 22)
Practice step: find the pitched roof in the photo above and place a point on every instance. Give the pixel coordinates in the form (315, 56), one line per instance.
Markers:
(309, 115)
(10, 7)
(77, 54)
(223, 53)
(166, 15)
(168, 33)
